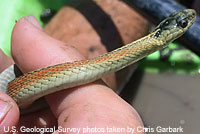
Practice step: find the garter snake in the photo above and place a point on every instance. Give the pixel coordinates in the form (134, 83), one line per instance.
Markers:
(33, 85)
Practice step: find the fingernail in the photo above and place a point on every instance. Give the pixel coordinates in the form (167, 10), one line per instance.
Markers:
(4, 109)
(33, 21)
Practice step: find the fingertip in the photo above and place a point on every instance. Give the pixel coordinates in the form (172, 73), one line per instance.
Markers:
(33, 49)
(24, 29)
(9, 112)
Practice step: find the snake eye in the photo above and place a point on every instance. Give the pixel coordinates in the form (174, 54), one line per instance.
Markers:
(183, 23)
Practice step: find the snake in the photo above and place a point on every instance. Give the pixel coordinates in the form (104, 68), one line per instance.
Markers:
(31, 86)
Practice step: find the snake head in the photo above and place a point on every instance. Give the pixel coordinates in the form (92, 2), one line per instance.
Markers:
(175, 25)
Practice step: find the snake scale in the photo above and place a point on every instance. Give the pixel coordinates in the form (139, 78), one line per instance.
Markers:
(34, 85)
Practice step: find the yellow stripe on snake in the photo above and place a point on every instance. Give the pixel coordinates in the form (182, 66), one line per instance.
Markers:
(31, 86)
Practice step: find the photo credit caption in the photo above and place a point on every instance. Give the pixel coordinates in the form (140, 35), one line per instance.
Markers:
(86, 130)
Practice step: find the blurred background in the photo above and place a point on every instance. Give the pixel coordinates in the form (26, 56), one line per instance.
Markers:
(163, 87)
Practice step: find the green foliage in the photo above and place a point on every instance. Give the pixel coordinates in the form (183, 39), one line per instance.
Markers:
(11, 11)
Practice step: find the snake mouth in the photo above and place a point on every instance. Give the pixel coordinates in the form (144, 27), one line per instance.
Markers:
(191, 12)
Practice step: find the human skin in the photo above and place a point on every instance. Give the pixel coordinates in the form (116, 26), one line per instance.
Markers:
(90, 105)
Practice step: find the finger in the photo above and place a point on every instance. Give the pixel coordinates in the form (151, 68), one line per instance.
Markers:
(76, 107)
(33, 49)
(5, 61)
(22, 29)
(9, 112)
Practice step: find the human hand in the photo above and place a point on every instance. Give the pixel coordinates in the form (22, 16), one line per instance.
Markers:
(90, 105)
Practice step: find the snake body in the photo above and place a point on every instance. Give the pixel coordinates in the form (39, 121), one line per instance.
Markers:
(31, 86)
